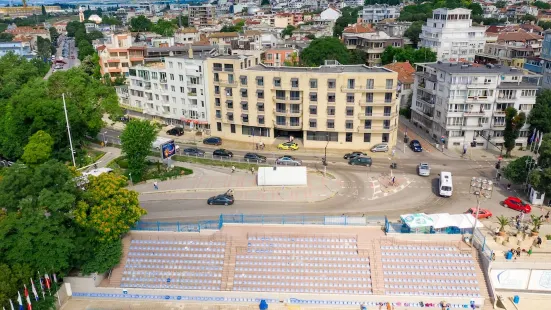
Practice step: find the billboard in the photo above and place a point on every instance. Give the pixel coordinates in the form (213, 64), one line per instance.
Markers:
(540, 280)
(510, 278)
(168, 149)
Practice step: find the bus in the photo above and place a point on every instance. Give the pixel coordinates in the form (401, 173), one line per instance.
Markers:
(445, 185)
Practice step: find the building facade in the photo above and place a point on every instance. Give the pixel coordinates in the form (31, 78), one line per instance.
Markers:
(452, 36)
(18, 48)
(276, 57)
(342, 107)
(118, 55)
(511, 48)
(202, 15)
(373, 43)
(465, 104)
(372, 14)
(546, 58)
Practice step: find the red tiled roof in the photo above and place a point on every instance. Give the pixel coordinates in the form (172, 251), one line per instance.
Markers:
(101, 48)
(358, 28)
(518, 36)
(405, 71)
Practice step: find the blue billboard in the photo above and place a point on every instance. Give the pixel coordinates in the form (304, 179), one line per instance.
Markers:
(168, 149)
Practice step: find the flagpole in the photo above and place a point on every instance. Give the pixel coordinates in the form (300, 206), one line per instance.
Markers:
(56, 290)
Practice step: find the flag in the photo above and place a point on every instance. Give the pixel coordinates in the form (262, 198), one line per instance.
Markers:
(55, 278)
(11, 305)
(19, 301)
(41, 281)
(27, 298)
(541, 140)
(533, 136)
(48, 281)
(34, 290)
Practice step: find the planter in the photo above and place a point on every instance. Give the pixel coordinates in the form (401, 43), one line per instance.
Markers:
(502, 233)
(534, 233)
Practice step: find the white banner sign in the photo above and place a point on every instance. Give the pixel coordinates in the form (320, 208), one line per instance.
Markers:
(540, 280)
(510, 278)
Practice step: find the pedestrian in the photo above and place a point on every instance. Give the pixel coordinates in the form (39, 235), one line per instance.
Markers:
(155, 185)
(509, 186)
(252, 170)
(530, 251)
(538, 242)
(521, 216)
(547, 216)
(393, 152)
(232, 169)
(493, 256)
(518, 252)
(518, 224)
(393, 180)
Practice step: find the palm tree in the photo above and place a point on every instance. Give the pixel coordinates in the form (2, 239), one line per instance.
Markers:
(536, 221)
(502, 221)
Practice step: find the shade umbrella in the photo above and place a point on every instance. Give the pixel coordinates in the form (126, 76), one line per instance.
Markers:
(417, 220)
(263, 305)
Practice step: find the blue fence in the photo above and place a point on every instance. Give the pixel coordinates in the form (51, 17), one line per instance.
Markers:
(260, 219)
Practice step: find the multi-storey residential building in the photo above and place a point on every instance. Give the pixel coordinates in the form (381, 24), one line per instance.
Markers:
(465, 103)
(186, 35)
(373, 43)
(353, 3)
(378, 12)
(394, 29)
(118, 55)
(546, 57)
(346, 107)
(451, 35)
(202, 15)
(173, 92)
(511, 48)
(276, 57)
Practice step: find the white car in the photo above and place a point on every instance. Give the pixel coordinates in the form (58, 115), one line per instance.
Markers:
(381, 147)
(424, 169)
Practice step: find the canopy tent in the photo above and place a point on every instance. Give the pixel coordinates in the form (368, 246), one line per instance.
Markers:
(442, 220)
(417, 220)
(463, 221)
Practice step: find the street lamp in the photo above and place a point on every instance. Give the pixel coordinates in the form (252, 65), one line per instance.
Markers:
(481, 188)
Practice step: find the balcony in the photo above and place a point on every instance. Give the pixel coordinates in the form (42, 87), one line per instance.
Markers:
(498, 126)
(163, 81)
(478, 126)
(426, 100)
(363, 89)
(217, 68)
(380, 129)
(227, 83)
(289, 125)
(287, 99)
(474, 113)
(285, 86)
(500, 113)
(288, 112)
(364, 103)
(478, 100)
(506, 99)
(364, 116)
(193, 94)
(480, 85)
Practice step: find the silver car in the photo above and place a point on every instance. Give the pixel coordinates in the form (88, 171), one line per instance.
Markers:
(381, 147)
(288, 161)
(424, 169)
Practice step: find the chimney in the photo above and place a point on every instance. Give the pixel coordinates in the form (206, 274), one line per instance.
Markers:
(190, 52)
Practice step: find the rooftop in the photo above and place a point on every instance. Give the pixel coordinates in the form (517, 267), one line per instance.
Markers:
(466, 68)
(405, 71)
(323, 69)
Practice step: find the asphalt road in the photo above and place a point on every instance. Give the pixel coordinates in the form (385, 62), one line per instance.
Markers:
(72, 51)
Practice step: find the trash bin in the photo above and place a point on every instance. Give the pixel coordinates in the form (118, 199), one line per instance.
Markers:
(406, 139)
(473, 144)
(509, 255)
(516, 299)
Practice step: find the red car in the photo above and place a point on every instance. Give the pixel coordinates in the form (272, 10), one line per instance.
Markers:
(516, 203)
(482, 213)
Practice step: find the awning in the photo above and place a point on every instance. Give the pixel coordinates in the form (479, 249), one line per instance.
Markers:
(261, 117)
(229, 101)
(259, 91)
(244, 102)
(313, 94)
(294, 80)
(244, 115)
(229, 114)
(312, 106)
(260, 104)
(442, 220)
(417, 220)
(243, 90)
(463, 221)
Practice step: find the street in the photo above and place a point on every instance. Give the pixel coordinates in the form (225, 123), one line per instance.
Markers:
(70, 55)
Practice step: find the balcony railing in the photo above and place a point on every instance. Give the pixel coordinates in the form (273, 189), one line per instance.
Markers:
(365, 103)
(364, 116)
(365, 89)
(474, 113)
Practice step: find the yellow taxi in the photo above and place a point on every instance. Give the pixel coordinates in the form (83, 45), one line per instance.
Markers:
(288, 146)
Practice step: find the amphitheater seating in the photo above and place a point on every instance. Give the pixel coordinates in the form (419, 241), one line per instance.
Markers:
(429, 271)
(304, 264)
(174, 264)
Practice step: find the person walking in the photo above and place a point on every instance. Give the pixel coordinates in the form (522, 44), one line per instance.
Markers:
(252, 170)
(232, 169)
(530, 251)
(509, 186)
(155, 185)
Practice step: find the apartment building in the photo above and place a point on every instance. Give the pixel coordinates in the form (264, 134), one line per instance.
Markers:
(465, 103)
(375, 13)
(202, 15)
(172, 92)
(118, 55)
(373, 43)
(277, 56)
(511, 48)
(338, 106)
(451, 34)
(186, 35)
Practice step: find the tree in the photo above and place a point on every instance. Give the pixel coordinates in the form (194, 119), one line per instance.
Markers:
(400, 54)
(413, 32)
(94, 35)
(544, 151)
(358, 57)
(141, 24)
(311, 36)
(110, 20)
(325, 48)
(136, 140)
(349, 16)
(90, 65)
(44, 10)
(227, 28)
(516, 171)
(6, 37)
(528, 17)
(39, 148)
(53, 34)
(288, 31)
(265, 2)
(43, 47)
(542, 5)
(11, 277)
(540, 115)
(476, 9)
(106, 255)
(108, 207)
(501, 4)
(164, 27)
(513, 123)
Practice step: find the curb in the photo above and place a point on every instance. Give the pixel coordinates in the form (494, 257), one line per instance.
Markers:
(437, 151)
(219, 188)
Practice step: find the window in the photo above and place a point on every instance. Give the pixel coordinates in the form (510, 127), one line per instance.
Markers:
(229, 92)
(172, 77)
(367, 137)
(313, 110)
(281, 107)
(313, 123)
(170, 64)
(229, 104)
(230, 116)
(294, 82)
(384, 138)
(525, 107)
(313, 83)
(330, 124)
(387, 111)
(368, 111)
(260, 107)
(331, 111)
(259, 81)
(181, 78)
(217, 102)
(331, 97)
(182, 90)
(232, 128)
(331, 84)
(350, 98)
(260, 94)
(322, 136)
(243, 80)
(216, 77)
(388, 97)
(280, 120)
(369, 97)
(348, 137)
(295, 95)
(244, 105)
(280, 94)
(314, 97)
(438, 114)
(244, 92)
(245, 118)
(389, 83)
(230, 79)
(350, 84)
(218, 114)
(528, 93)
(386, 124)
(261, 120)
(370, 83)
(277, 82)
(217, 90)
(349, 111)
(219, 126)
(367, 124)
(173, 88)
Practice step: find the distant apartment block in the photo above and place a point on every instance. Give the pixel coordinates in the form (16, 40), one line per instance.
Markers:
(373, 43)
(202, 15)
(375, 13)
(118, 55)
(276, 57)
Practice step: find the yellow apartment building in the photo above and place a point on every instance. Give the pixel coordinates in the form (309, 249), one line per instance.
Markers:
(341, 106)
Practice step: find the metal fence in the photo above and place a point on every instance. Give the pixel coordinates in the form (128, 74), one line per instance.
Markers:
(479, 242)
(260, 219)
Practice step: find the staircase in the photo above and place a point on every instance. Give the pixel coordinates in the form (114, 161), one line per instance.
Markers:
(485, 289)
(372, 250)
(116, 273)
(228, 272)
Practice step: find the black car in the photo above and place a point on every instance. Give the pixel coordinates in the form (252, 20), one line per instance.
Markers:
(360, 161)
(223, 199)
(353, 154)
(255, 157)
(194, 152)
(415, 146)
(213, 141)
(222, 153)
(176, 131)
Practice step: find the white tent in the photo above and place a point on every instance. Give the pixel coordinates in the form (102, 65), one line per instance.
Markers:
(417, 220)
(442, 220)
(463, 221)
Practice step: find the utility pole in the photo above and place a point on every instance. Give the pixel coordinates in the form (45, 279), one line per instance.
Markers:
(68, 130)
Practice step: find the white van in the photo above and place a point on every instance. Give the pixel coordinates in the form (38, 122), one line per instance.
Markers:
(445, 186)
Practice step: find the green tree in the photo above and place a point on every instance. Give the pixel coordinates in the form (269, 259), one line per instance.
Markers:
(141, 24)
(541, 180)
(53, 34)
(423, 54)
(325, 48)
(90, 65)
(358, 57)
(501, 4)
(265, 2)
(39, 148)
(108, 207)
(516, 171)
(136, 140)
(476, 9)
(544, 151)
(540, 115)
(94, 35)
(43, 10)
(43, 48)
(528, 18)
(110, 20)
(413, 32)
(164, 27)
(311, 36)
(106, 256)
(349, 16)
(6, 37)
(542, 5)
(227, 28)
(288, 31)
(11, 278)
(513, 123)
(400, 54)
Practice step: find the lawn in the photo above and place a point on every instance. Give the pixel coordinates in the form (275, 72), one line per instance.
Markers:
(155, 170)
(212, 162)
(88, 156)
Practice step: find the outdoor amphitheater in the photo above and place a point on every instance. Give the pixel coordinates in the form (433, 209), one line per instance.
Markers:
(290, 266)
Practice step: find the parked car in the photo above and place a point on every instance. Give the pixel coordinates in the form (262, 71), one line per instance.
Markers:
(516, 203)
(176, 131)
(423, 169)
(482, 213)
(253, 157)
(194, 152)
(288, 146)
(360, 161)
(223, 199)
(222, 153)
(415, 146)
(288, 161)
(381, 147)
(353, 154)
(213, 141)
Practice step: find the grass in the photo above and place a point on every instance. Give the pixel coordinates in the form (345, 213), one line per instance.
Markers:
(154, 171)
(88, 157)
(218, 163)
(548, 237)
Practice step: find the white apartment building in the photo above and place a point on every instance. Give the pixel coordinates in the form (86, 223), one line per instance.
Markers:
(378, 12)
(172, 92)
(464, 103)
(450, 33)
(353, 3)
